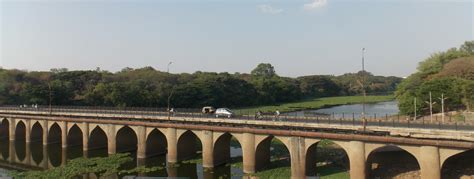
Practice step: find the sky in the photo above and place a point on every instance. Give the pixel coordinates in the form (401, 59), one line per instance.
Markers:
(298, 37)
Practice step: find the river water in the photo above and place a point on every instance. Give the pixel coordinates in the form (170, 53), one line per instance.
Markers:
(346, 111)
(33, 157)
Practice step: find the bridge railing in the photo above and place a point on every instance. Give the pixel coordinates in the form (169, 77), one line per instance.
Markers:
(346, 119)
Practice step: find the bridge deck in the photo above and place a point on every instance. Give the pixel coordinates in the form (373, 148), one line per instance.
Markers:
(393, 127)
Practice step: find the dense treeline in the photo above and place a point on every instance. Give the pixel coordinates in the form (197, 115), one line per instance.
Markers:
(147, 87)
(450, 73)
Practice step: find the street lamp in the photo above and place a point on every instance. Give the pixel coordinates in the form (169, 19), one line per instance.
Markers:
(364, 122)
(171, 92)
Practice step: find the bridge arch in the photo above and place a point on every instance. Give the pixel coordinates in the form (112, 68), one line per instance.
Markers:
(20, 131)
(188, 145)
(268, 146)
(156, 143)
(20, 140)
(126, 140)
(54, 137)
(331, 155)
(74, 141)
(98, 141)
(5, 129)
(36, 134)
(382, 160)
(54, 133)
(458, 165)
(222, 147)
(36, 138)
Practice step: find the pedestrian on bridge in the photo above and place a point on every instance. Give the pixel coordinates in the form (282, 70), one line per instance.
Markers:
(277, 115)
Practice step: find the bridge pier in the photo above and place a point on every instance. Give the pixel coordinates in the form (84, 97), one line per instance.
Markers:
(141, 143)
(207, 149)
(171, 137)
(12, 129)
(356, 154)
(112, 140)
(63, 134)
(45, 132)
(429, 162)
(85, 138)
(298, 157)
(28, 131)
(248, 153)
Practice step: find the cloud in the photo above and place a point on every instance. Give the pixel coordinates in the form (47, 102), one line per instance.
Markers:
(315, 4)
(267, 9)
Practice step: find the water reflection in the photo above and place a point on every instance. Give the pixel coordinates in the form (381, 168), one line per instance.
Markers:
(19, 155)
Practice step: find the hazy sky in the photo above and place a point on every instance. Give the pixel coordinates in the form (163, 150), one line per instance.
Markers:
(299, 37)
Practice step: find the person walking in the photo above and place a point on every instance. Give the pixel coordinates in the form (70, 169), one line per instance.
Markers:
(277, 114)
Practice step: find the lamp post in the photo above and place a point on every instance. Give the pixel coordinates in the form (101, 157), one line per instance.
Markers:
(50, 97)
(171, 92)
(364, 122)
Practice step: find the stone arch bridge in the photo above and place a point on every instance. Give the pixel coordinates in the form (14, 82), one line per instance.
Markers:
(175, 136)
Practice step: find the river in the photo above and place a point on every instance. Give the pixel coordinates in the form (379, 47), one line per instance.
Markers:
(346, 111)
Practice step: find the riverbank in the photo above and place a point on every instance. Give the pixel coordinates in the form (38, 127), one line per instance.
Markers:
(316, 103)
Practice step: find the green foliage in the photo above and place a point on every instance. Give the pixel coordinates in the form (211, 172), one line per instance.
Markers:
(351, 83)
(450, 87)
(449, 73)
(101, 166)
(147, 87)
(264, 70)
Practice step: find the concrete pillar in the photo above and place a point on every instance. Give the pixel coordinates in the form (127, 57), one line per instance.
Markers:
(63, 134)
(45, 132)
(28, 157)
(85, 137)
(429, 162)
(207, 149)
(12, 128)
(11, 151)
(63, 156)
(172, 171)
(28, 131)
(297, 157)
(248, 153)
(357, 159)
(171, 137)
(141, 143)
(112, 141)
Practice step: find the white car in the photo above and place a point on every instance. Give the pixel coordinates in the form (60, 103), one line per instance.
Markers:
(224, 112)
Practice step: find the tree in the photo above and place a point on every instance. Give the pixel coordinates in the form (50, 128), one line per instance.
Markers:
(444, 72)
(468, 47)
(265, 70)
(318, 86)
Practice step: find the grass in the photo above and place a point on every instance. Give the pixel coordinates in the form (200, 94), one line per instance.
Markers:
(316, 103)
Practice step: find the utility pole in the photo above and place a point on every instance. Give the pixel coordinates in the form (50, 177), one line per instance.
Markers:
(414, 118)
(364, 122)
(442, 106)
(431, 107)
